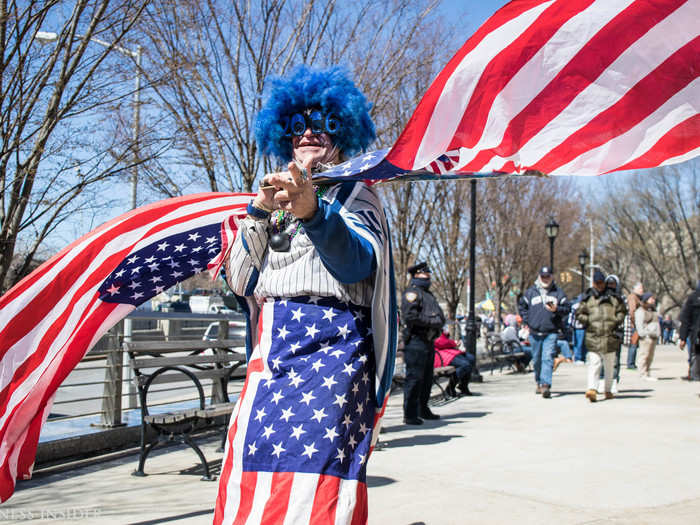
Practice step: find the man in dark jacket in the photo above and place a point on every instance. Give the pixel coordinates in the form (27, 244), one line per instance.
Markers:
(544, 308)
(689, 333)
(601, 312)
(423, 320)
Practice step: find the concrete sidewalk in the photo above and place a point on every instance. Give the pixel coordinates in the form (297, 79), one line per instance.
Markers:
(503, 456)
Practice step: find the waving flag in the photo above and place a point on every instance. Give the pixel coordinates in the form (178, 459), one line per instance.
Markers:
(577, 87)
(562, 87)
(56, 314)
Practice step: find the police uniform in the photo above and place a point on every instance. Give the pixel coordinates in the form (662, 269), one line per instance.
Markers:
(422, 320)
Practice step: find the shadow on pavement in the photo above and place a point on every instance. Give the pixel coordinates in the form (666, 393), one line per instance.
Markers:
(198, 470)
(444, 420)
(177, 517)
(420, 439)
(379, 481)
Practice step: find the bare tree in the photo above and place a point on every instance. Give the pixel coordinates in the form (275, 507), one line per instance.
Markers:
(449, 243)
(512, 244)
(209, 60)
(650, 230)
(52, 97)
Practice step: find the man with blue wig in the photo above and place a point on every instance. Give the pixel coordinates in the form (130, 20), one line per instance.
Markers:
(313, 264)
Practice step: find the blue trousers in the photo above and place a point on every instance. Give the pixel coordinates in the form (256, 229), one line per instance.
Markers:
(543, 357)
(579, 347)
(632, 356)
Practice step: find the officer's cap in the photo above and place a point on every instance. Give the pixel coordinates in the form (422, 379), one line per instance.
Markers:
(420, 267)
(545, 270)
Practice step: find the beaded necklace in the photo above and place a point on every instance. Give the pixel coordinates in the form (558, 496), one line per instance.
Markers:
(285, 226)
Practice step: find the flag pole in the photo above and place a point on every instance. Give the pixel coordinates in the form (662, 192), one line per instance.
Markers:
(471, 319)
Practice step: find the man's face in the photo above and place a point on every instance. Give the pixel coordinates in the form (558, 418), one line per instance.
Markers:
(314, 147)
(599, 285)
(546, 278)
(422, 275)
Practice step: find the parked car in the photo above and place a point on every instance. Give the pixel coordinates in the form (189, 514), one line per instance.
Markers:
(174, 306)
(235, 329)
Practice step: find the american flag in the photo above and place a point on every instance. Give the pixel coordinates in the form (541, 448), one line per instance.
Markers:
(298, 444)
(52, 318)
(561, 87)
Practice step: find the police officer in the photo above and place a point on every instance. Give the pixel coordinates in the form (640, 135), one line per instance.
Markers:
(422, 319)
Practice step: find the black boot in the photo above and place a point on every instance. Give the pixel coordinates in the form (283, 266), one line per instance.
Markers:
(450, 389)
(464, 387)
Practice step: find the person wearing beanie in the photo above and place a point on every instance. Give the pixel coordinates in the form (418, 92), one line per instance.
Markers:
(312, 267)
(601, 313)
(647, 325)
(544, 307)
(612, 287)
(689, 333)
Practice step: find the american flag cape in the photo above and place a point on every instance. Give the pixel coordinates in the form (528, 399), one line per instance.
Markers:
(576, 87)
(286, 478)
(560, 87)
(50, 319)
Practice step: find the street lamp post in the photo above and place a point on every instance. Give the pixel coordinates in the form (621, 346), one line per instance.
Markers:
(551, 229)
(46, 36)
(582, 258)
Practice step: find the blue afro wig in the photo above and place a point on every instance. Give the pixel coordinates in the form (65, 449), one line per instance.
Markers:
(329, 90)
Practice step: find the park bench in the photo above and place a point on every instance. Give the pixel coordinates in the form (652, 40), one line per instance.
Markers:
(399, 378)
(504, 354)
(186, 364)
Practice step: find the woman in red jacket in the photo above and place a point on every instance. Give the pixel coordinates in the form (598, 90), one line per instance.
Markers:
(447, 353)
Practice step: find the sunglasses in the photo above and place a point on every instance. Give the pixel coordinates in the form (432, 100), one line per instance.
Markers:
(313, 119)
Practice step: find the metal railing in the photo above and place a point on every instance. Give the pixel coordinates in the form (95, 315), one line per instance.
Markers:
(102, 383)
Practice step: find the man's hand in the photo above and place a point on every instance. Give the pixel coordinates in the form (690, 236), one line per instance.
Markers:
(681, 344)
(293, 192)
(551, 307)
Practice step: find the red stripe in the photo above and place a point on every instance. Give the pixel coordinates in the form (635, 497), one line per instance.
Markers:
(23, 371)
(588, 64)
(254, 366)
(276, 506)
(680, 139)
(248, 482)
(403, 153)
(359, 515)
(128, 218)
(39, 307)
(30, 413)
(325, 501)
(506, 64)
(640, 101)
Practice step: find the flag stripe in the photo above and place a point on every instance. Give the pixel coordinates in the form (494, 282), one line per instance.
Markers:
(323, 511)
(499, 71)
(247, 488)
(276, 506)
(544, 96)
(637, 103)
(359, 516)
(617, 152)
(405, 150)
(676, 142)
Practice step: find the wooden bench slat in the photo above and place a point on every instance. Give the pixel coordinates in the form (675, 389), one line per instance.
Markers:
(180, 346)
(228, 357)
(177, 377)
(171, 417)
(221, 409)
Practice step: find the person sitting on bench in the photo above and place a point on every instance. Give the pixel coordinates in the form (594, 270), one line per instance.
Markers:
(447, 354)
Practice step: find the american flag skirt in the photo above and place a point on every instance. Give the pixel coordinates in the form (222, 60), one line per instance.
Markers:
(301, 432)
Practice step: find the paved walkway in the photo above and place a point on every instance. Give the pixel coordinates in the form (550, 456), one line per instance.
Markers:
(504, 456)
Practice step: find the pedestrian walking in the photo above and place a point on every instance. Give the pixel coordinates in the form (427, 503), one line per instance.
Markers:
(422, 319)
(633, 301)
(544, 308)
(689, 333)
(647, 325)
(612, 286)
(315, 269)
(601, 313)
